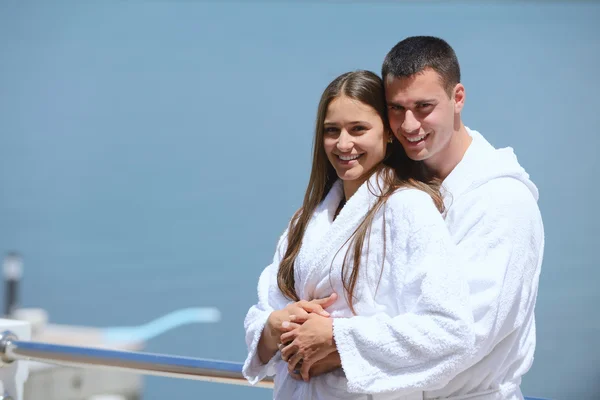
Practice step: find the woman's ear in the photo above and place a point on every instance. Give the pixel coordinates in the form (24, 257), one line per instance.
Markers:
(389, 136)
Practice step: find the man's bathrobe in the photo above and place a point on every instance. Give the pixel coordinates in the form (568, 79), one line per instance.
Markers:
(413, 329)
(494, 219)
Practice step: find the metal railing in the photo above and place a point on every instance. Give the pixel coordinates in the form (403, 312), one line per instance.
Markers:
(12, 349)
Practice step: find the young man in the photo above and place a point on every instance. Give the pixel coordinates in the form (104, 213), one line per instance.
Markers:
(491, 212)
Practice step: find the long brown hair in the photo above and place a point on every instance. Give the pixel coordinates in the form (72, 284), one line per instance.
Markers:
(397, 171)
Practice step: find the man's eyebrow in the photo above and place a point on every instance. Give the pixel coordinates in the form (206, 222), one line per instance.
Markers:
(417, 102)
(425, 101)
(393, 103)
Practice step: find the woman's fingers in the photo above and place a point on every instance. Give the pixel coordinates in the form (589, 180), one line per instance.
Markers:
(288, 337)
(300, 309)
(294, 363)
(305, 372)
(326, 301)
(287, 326)
(299, 319)
(288, 350)
(296, 309)
(311, 307)
(296, 375)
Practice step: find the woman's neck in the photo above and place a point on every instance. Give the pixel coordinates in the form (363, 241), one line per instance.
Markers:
(339, 208)
(350, 187)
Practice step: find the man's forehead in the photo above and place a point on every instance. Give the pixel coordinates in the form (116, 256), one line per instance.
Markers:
(427, 74)
(414, 88)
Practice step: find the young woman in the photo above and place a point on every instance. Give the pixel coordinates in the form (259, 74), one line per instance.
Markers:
(370, 231)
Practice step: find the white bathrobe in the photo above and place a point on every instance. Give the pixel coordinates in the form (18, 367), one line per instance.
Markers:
(414, 325)
(493, 216)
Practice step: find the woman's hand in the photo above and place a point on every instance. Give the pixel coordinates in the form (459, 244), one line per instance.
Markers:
(307, 343)
(294, 312)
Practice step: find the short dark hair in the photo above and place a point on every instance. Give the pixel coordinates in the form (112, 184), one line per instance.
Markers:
(416, 53)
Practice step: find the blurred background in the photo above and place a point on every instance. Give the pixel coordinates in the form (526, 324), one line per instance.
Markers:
(152, 152)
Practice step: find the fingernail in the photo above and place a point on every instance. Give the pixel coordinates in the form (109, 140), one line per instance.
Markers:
(325, 313)
(292, 317)
(285, 324)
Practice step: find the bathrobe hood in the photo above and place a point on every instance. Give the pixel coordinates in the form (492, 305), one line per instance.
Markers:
(482, 163)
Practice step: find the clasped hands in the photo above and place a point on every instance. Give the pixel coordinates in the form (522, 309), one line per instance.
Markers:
(305, 338)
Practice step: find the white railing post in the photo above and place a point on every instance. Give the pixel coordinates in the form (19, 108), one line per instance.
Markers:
(14, 374)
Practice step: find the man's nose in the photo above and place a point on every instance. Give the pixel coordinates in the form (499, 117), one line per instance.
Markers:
(410, 123)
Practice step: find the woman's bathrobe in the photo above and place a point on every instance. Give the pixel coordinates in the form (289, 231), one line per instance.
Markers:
(413, 328)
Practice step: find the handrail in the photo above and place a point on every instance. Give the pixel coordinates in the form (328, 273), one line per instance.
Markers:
(12, 349)
(228, 372)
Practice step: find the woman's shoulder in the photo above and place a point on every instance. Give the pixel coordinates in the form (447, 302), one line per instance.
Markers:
(410, 197)
(411, 204)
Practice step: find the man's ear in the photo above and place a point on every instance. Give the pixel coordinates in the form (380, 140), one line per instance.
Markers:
(459, 98)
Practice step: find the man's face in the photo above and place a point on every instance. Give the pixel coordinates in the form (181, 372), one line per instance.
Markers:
(422, 115)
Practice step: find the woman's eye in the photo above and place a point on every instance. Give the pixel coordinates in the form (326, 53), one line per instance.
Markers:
(359, 128)
(331, 129)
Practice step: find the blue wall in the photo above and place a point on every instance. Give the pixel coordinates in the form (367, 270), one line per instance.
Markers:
(151, 153)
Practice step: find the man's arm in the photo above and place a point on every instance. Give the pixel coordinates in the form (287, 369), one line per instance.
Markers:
(499, 231)
(425, 346)
(502, 239)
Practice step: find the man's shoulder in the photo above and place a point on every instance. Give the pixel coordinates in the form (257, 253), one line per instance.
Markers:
(503, 197)
(505, 191)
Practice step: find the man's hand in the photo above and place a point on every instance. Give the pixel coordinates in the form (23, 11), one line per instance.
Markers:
(307, 343)
(321, 367)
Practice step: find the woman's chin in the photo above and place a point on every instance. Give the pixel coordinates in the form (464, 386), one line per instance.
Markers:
(348, 177)
(351, 175)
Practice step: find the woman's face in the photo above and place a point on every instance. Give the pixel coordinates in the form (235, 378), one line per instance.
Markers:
(354, 139)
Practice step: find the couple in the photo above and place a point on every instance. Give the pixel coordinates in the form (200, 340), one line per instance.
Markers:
(411, 269)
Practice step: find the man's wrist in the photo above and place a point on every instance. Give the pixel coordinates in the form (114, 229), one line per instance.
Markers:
(333, 345)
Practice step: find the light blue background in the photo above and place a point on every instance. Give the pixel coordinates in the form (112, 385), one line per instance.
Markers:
(152, 152)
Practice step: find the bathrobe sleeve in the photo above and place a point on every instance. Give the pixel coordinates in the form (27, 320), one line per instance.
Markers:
(269, 299)
(431, 339)
(500, 234)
